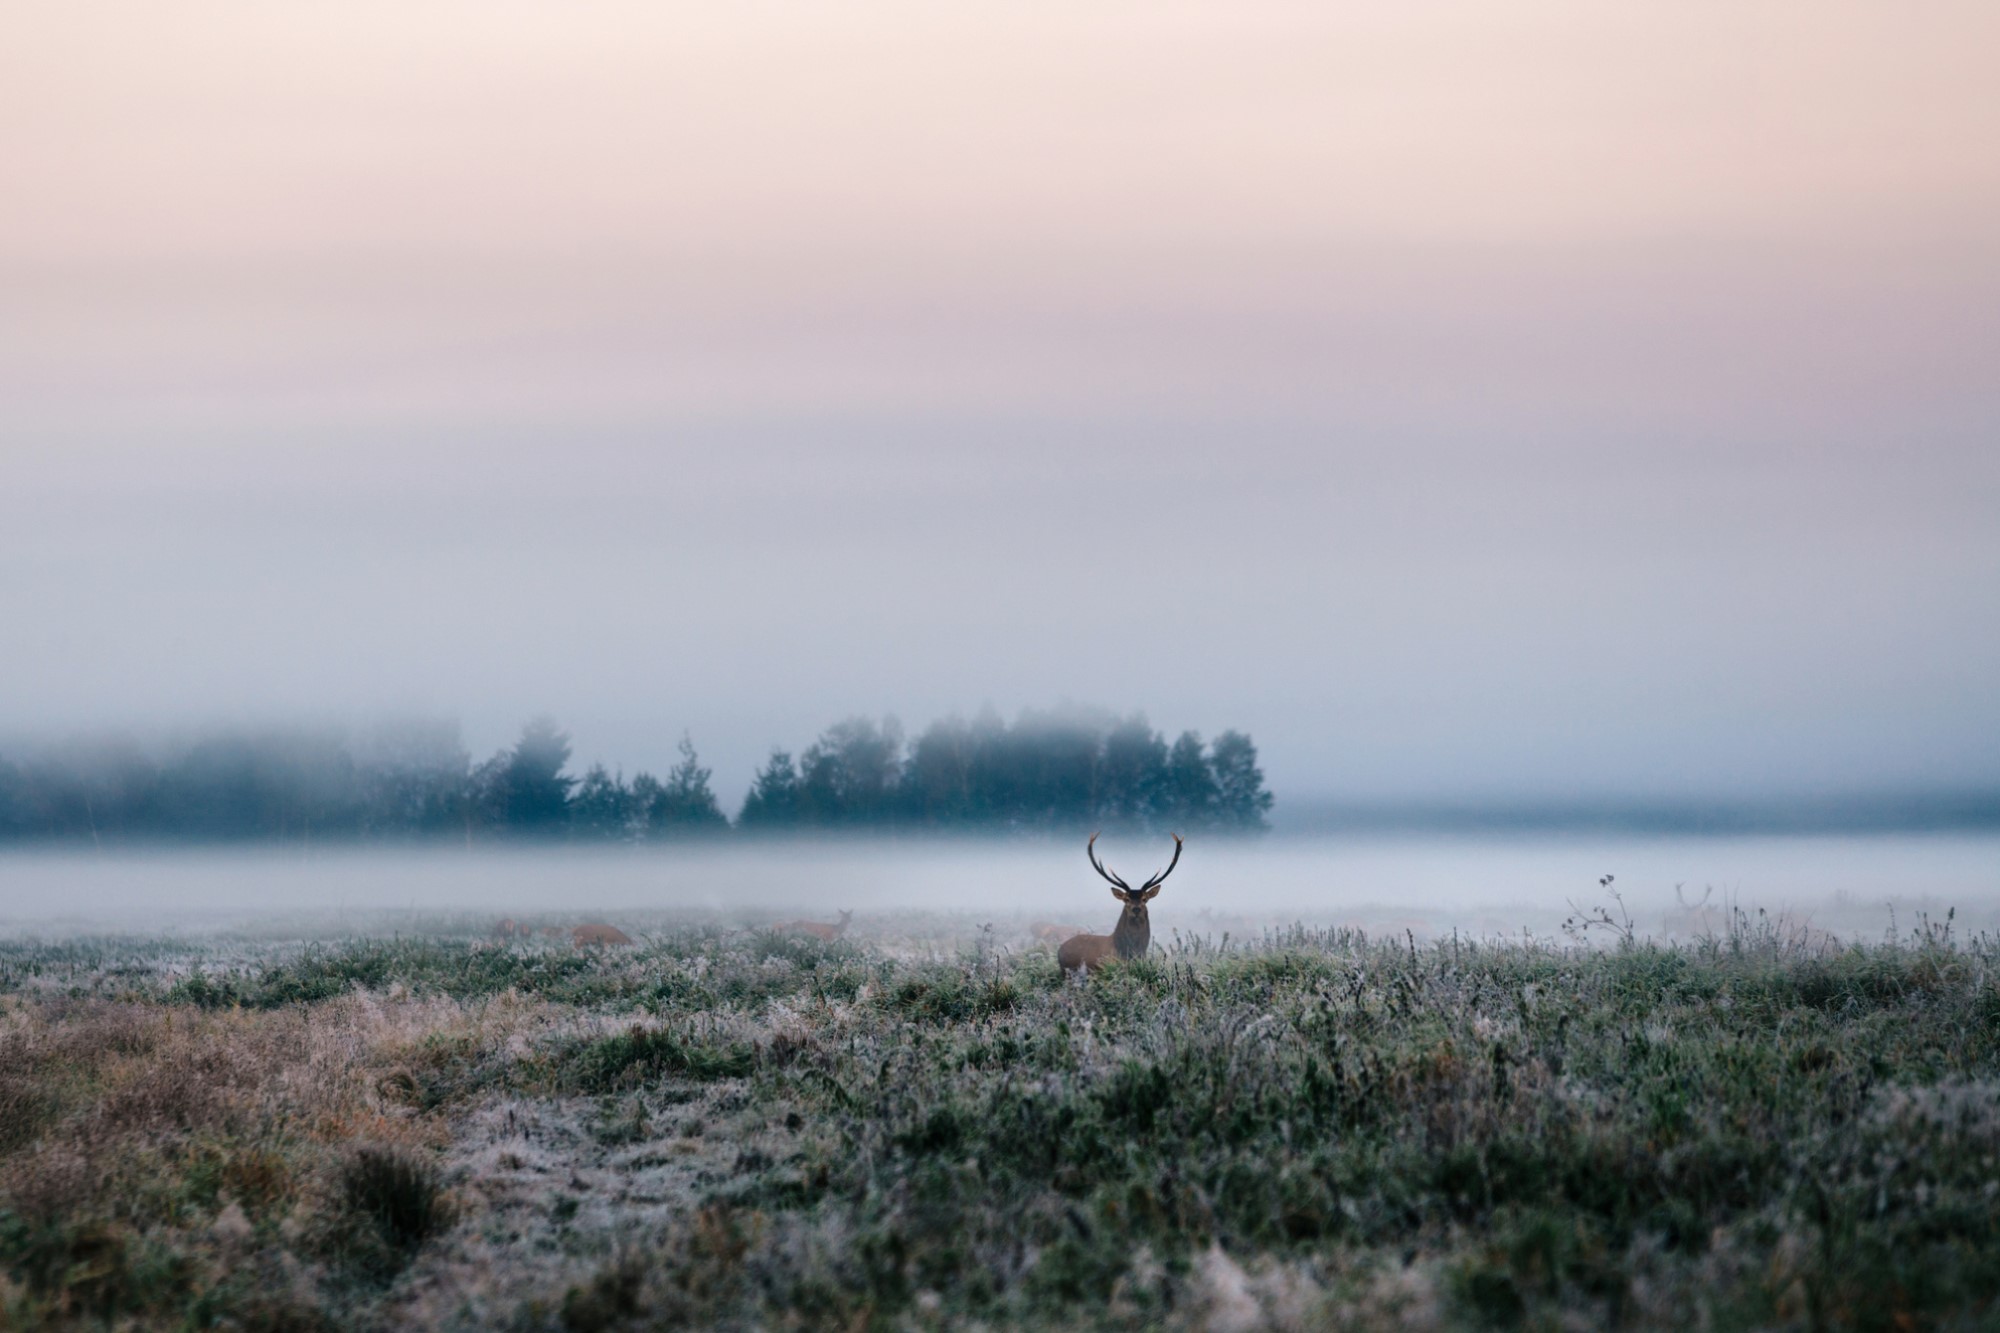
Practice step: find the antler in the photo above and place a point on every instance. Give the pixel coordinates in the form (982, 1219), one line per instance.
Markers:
(1090, 850)
(1153, 885)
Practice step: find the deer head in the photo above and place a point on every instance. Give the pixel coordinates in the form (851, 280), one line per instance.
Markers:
(1135, 900)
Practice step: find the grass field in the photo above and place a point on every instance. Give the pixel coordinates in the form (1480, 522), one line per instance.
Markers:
(924, 1126)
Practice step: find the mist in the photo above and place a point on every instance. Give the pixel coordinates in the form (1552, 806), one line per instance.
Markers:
(1419, 619)
(1563, 407)
(1428, 885)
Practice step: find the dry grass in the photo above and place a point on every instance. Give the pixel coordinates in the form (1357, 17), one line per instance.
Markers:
(731, 1128)
(151, 1151)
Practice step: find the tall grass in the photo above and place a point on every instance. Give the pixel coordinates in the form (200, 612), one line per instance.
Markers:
(1306, 1129)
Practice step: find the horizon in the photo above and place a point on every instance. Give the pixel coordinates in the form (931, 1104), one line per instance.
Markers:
(387, 747)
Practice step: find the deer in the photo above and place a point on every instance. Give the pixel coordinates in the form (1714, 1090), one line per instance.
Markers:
(598, 934)
(508, 929)
(825, 930)
(1134, 931)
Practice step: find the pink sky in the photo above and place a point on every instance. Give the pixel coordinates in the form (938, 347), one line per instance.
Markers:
(481, 209)
(1622, 376)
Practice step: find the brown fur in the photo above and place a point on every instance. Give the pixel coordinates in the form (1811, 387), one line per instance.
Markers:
(1130, 938)
(1048, 933)
(826, 930)
(597, 933)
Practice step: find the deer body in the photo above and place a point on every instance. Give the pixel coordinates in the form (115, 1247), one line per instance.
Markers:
(1130, 938)
(598, 934)
(1133, 934)
(825, 930)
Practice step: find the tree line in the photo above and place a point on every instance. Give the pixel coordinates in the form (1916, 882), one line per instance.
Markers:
(1047, 771)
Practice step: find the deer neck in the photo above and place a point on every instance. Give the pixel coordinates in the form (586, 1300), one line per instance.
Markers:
(1134, 932)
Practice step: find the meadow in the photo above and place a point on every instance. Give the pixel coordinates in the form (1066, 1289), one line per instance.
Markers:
(922, 1125)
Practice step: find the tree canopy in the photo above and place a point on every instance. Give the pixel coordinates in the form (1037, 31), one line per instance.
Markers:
(1048, 770)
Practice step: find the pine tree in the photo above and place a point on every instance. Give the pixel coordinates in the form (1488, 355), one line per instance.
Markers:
(687, 804)
(645, 797)
(773, 800)
(598, 812)
(537, 793)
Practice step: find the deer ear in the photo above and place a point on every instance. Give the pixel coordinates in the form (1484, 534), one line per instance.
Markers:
(1150, 894)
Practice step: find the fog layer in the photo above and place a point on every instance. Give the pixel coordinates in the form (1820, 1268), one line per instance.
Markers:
(1384, 884)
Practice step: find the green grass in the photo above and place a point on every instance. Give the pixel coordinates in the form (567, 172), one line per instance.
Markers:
(1307, 1130)
(640, 1055)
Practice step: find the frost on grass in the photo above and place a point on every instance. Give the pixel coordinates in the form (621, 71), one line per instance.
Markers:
(915, 1128)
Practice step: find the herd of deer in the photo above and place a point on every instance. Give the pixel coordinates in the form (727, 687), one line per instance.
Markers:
(1076, 949)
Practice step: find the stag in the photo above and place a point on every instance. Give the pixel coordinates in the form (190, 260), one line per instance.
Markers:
(825, 930)
(1134, 931)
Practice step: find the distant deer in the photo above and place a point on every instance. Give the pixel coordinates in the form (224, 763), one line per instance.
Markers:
(598, 934)
(1695, 918)
(508, 929)
(825, 930)
(1134, 932)
(1053, 934)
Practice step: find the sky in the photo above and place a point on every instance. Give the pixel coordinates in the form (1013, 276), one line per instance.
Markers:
(1519, 402)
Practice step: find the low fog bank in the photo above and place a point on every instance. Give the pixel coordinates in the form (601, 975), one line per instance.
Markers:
(1426, 885)
(1864, 813)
